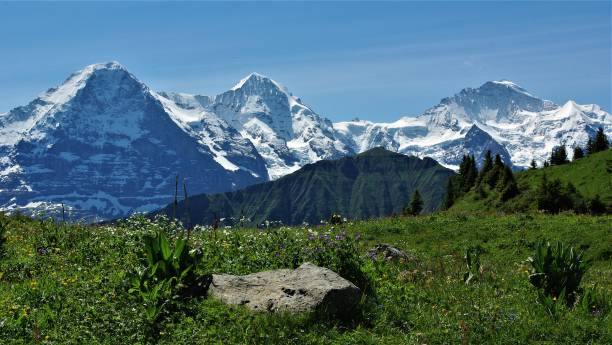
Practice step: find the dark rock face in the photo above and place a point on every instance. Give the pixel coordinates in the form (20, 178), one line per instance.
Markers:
(308, 288)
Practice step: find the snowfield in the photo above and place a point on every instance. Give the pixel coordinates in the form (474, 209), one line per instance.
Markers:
(106, 145)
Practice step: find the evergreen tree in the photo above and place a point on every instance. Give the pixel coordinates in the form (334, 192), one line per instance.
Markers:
(468, 173)
(507, 184)
(589, 146)
(495, 173)
(578, 153)
(449, 198)
(487, 165)
(596, 206)
(558, 156)
(546, 164)
(416, 205)
(601, 142)
(534, 165)
(498, 161)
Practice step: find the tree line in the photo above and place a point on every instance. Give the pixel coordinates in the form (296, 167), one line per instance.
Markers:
(551, 195)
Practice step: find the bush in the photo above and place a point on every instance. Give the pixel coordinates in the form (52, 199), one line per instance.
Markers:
(557, 271)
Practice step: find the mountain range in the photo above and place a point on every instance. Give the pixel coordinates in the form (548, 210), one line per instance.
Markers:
(374, 183)
(106, 145)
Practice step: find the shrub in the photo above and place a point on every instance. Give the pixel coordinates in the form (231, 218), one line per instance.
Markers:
(596, 206)
(557, 271)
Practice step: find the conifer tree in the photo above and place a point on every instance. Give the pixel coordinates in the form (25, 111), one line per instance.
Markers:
(589, 146)
(596, 206)
(533, 165)
(487, 165)
(601, 141)
(578, 153)
(558, 156)
(507, 184)
(468, 173)
(495, 173)
(449, 198)
(416, 205)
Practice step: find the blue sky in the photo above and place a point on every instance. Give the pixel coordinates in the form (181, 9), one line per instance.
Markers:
(376, 61)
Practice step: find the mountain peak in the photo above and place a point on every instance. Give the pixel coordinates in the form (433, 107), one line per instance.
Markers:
(112, 72)
(256, 81)
(505, 84)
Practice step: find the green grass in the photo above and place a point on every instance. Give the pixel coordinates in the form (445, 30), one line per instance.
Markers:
(76, 292)
(591, 175)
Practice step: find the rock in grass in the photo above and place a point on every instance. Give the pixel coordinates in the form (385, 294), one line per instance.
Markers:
(308, 288)
(389, 253)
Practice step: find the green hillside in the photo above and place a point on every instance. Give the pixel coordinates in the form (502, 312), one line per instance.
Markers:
(375, 183)
(591, 175)
(69, 284)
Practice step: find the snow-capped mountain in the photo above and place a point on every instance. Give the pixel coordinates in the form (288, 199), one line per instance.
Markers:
(499, 115)
(287, 133)
(104, 144)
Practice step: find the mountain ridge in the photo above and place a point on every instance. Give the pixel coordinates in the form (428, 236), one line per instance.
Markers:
(374, 183)
(256, 131)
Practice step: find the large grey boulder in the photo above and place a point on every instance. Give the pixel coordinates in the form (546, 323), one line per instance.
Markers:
(308, 288)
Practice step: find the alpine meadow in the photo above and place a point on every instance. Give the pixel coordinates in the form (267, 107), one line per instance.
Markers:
(443, 177)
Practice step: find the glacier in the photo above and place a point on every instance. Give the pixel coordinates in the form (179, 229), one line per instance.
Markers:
(105, 145)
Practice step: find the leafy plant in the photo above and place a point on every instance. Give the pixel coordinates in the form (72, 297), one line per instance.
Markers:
(335, 219)
(595, 301)
(557, 271)
(169, 274)
(472, 261)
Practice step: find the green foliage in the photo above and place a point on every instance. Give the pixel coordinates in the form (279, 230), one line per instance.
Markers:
(449, 197)
(169, 271)
(416, 204)
(375, 183)
(468, 173)
(557, 271)
(599, 143)
(568, 187)
(578, 153)
(559, 156)
(594, 301)
(77, 292)
(335, 219)
(3, 231)
(472, 261)
(533, 165)
(596, 206)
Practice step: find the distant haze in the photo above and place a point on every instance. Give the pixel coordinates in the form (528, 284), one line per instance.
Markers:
(376, 61)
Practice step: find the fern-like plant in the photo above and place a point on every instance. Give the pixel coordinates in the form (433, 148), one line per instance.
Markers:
(557, 271)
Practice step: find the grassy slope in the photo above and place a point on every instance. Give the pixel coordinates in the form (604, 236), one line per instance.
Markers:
(373, 184)
(590, 175)
(77, 292)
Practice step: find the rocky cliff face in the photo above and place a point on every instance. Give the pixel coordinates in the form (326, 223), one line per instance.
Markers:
(104, 144)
